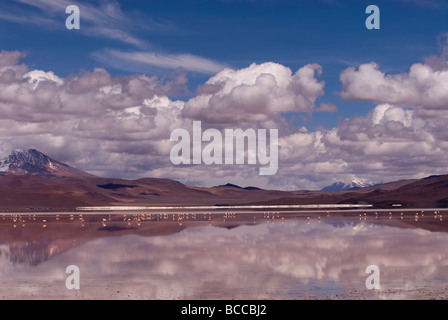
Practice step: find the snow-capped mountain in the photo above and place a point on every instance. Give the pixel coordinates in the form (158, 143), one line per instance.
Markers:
(33, 162)
(354, 185)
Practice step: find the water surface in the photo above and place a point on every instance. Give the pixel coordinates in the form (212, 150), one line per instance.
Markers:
(250, 255)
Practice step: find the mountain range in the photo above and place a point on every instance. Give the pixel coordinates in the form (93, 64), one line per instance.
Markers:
(30, 180)
(354, 185)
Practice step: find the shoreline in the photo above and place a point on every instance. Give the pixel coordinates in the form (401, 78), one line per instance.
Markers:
(221, 209)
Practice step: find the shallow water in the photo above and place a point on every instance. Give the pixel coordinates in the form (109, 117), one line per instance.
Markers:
(251, 255)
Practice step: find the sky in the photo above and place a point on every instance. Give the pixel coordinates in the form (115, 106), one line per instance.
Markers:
(349, 103)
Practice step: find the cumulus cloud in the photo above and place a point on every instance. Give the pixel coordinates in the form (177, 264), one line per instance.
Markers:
(391, 142)
(120, 126)
(404, 134)
(422, 87)
(257, 93)
(41, 96)
(84, 117)
(439, 62)
(326, 107)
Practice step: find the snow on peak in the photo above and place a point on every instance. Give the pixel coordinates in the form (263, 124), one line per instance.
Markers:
(33, 162)
(355, 184)
(24, 162)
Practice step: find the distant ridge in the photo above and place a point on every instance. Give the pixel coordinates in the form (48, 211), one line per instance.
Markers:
(30, 180)
(433, 176)
(354, 185)
(230, 185)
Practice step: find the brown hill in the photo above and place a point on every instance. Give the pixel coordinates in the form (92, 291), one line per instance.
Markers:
(31, 192)
(29, 180)
(430, 192)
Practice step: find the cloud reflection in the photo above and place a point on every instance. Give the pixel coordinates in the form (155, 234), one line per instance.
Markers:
(264, 261)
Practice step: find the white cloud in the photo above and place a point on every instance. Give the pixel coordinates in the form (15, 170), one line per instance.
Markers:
(423, 87)
(144, 60)
(257, 93)
(326, 107)
(38, 76)
(385, 112)
(120, 125)
(83, 118)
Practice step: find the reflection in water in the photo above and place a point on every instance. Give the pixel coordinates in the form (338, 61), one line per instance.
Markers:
(224, 256)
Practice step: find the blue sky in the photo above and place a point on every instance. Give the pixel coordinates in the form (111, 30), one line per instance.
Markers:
(163, 38)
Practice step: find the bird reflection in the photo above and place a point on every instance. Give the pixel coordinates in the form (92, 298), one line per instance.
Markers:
(135, 221)
(49, 230)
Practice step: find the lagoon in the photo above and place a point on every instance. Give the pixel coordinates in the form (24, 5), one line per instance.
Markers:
(274, 255)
